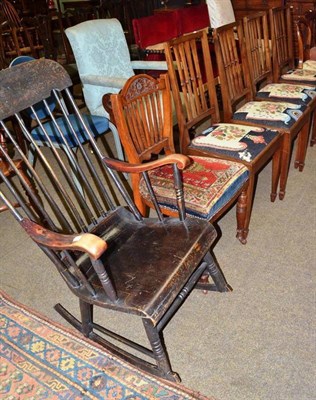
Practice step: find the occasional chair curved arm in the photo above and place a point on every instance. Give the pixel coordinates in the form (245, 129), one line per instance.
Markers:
(101, 80)
(85, 242)
(180, 160)
(157, 65)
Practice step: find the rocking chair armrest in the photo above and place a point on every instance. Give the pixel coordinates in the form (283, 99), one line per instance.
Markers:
(85, 242)
(181, 160)
(100, 80)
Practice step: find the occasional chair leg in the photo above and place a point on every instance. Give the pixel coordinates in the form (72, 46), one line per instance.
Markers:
(313, 130)
(159, 351)
(285, 161)
(276, 165)
(241, 214)
(301, 148)
(86, 311)
(216, 274)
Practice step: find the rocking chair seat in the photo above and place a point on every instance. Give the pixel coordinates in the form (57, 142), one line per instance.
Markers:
(221, 180)
(141, 278)
(97, 125)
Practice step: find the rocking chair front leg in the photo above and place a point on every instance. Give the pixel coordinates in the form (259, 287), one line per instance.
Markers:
(216, 274)
(212, 270)
(159, 352)
(86, 311)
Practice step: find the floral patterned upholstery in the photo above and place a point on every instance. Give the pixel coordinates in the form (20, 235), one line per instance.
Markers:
(309, 65)
(300, 94)
(238, 141)
(274, 114)
(305, 75)
(221, 180)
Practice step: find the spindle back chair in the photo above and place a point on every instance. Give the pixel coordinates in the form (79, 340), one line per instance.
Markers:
(106, 252)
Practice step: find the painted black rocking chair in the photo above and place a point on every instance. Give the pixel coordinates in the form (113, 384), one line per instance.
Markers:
(108, 254)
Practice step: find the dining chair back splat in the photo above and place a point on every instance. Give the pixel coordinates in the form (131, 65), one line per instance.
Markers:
(306, 51)
(109, 256)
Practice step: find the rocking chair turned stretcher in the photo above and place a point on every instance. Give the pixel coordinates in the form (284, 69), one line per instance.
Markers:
(108, 255)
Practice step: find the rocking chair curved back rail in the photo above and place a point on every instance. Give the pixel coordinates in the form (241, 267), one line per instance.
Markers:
(106, 252)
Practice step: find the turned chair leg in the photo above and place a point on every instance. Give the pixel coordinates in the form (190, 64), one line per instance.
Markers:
(313, 130)
(276, 168)
(285, 163)
(241, 215)
(302, 143)
(216, 274)
(159, 351)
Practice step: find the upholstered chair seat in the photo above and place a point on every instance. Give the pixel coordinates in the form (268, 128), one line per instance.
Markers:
(240, 142)
(97, 125)
(209, 183)
(279, 115)
(309, 65)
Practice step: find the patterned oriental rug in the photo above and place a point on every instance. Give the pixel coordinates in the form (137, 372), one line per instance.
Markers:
(40, 359)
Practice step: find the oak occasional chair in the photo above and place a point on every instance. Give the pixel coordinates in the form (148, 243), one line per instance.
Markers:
(143, 114)
(108, 255)
(240, 106)
(195, 97)
(257, 42)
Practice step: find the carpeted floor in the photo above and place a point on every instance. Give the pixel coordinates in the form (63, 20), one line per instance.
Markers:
(42, 360)
(256, 343)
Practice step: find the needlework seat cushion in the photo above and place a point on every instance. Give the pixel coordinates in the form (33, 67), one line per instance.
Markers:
(299, 94)
(309, 64)
(275, 114)
(209, 184)
(96, 124)
(238, 141)
(306, 75)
